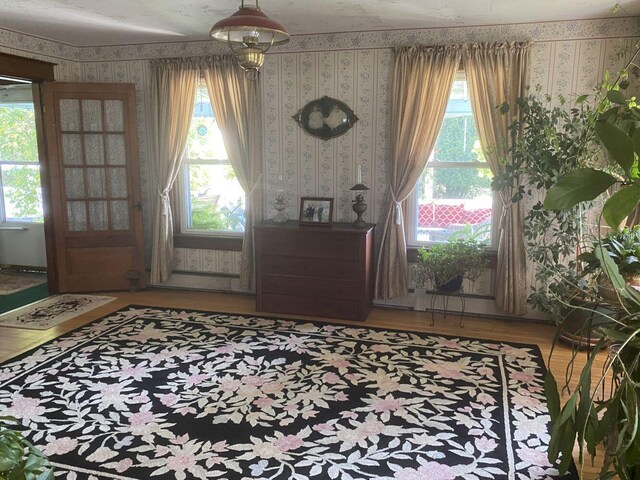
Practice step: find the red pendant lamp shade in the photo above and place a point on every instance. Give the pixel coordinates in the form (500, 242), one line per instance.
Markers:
(249, 21)
(249, 33)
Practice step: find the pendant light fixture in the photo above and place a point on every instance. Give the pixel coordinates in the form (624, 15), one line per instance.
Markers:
(249, 34)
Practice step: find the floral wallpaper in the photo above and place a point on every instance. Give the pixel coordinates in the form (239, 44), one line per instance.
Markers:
(568, 58)
(65, 56)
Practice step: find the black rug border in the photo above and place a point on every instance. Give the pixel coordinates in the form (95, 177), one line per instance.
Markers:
(338, 323)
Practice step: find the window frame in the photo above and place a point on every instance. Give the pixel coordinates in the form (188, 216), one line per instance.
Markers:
(411, 227)
(184, 197)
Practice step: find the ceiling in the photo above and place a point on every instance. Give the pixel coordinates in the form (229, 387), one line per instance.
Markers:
(117, 22)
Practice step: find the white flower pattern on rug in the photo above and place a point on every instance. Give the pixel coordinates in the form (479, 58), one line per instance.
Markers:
(154, 393)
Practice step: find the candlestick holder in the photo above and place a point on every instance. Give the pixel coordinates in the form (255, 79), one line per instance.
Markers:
(359, 206)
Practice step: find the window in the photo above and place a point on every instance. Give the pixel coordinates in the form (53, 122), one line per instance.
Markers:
(453, 196)
(20, 191)
(213, 200)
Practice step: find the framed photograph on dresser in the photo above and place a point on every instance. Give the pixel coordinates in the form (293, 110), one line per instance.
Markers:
(317, 211)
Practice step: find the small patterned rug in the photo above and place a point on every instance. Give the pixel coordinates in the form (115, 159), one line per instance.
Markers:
(174, 394)
(51, 311)
(12, 282)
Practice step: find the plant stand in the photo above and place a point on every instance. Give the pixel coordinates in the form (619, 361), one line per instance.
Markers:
(446, 295)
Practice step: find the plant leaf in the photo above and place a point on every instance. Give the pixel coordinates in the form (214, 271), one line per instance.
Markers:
(553, 398)
(618, 144)
(577, 186)
(567, 442)
(616, 96)
(636, 141)
(620, 205)
(610, 269)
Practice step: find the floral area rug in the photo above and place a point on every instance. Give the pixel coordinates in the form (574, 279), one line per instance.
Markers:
(12, 282)
(51, 311)
(172, 394)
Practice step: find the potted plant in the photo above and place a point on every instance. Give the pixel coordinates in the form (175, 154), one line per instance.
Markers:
(445, 265)
(19, 459)
(549, 140)
(613, 421)
(623, 247)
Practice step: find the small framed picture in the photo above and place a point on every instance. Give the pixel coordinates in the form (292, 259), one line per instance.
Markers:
(316, 211)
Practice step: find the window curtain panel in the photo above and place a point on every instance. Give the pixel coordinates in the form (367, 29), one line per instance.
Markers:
(498, 73)
(173, 90)
(236, 103)
(422, 79)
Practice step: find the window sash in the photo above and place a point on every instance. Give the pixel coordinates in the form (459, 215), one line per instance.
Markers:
(412, 201)
(185, 201)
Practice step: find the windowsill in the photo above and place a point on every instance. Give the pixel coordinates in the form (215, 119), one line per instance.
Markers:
(208, 242)
(412, 256)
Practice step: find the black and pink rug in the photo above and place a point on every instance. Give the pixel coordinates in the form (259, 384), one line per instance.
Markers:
(150, 393)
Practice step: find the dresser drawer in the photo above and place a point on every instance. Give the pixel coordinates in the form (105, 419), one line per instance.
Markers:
(319, 307)
(308, 267)
(309, 287)
(315, 244)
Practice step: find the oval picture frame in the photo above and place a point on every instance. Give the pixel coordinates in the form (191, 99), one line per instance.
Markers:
(325, 118)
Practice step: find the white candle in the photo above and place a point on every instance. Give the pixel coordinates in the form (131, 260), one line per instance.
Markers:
(359, 174)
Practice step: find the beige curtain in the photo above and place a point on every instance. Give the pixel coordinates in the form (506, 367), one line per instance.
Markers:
(173, 90)
(498, 73)
(236, 101)
(422, 79)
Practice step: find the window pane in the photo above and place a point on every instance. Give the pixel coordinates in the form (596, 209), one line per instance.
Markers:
(205, 138)
(114, 115)
(69, 114)
(120, 215)
(22, 193)
(92, 115)
(18, 141)
(216, 199)
(77, 216)
(74, 183)
(459, 91)
(454, 199)
(458, 141)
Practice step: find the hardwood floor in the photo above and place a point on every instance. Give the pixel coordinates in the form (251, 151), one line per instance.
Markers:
(14, 341)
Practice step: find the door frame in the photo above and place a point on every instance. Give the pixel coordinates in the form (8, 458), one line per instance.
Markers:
(38, 71)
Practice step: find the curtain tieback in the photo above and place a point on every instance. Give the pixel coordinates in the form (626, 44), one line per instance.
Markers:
(255, 185)
(506, 208)
(164, 196)
(398, 207)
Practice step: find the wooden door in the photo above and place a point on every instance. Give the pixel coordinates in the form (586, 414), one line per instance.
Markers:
(93, 175)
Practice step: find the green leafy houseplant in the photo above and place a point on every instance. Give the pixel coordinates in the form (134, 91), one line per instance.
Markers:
(19, 459)
(624, 249)
(448, 263)
(614, 421)
(549, 141)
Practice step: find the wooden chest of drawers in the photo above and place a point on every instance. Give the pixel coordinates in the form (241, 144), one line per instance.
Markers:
(321, 271)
